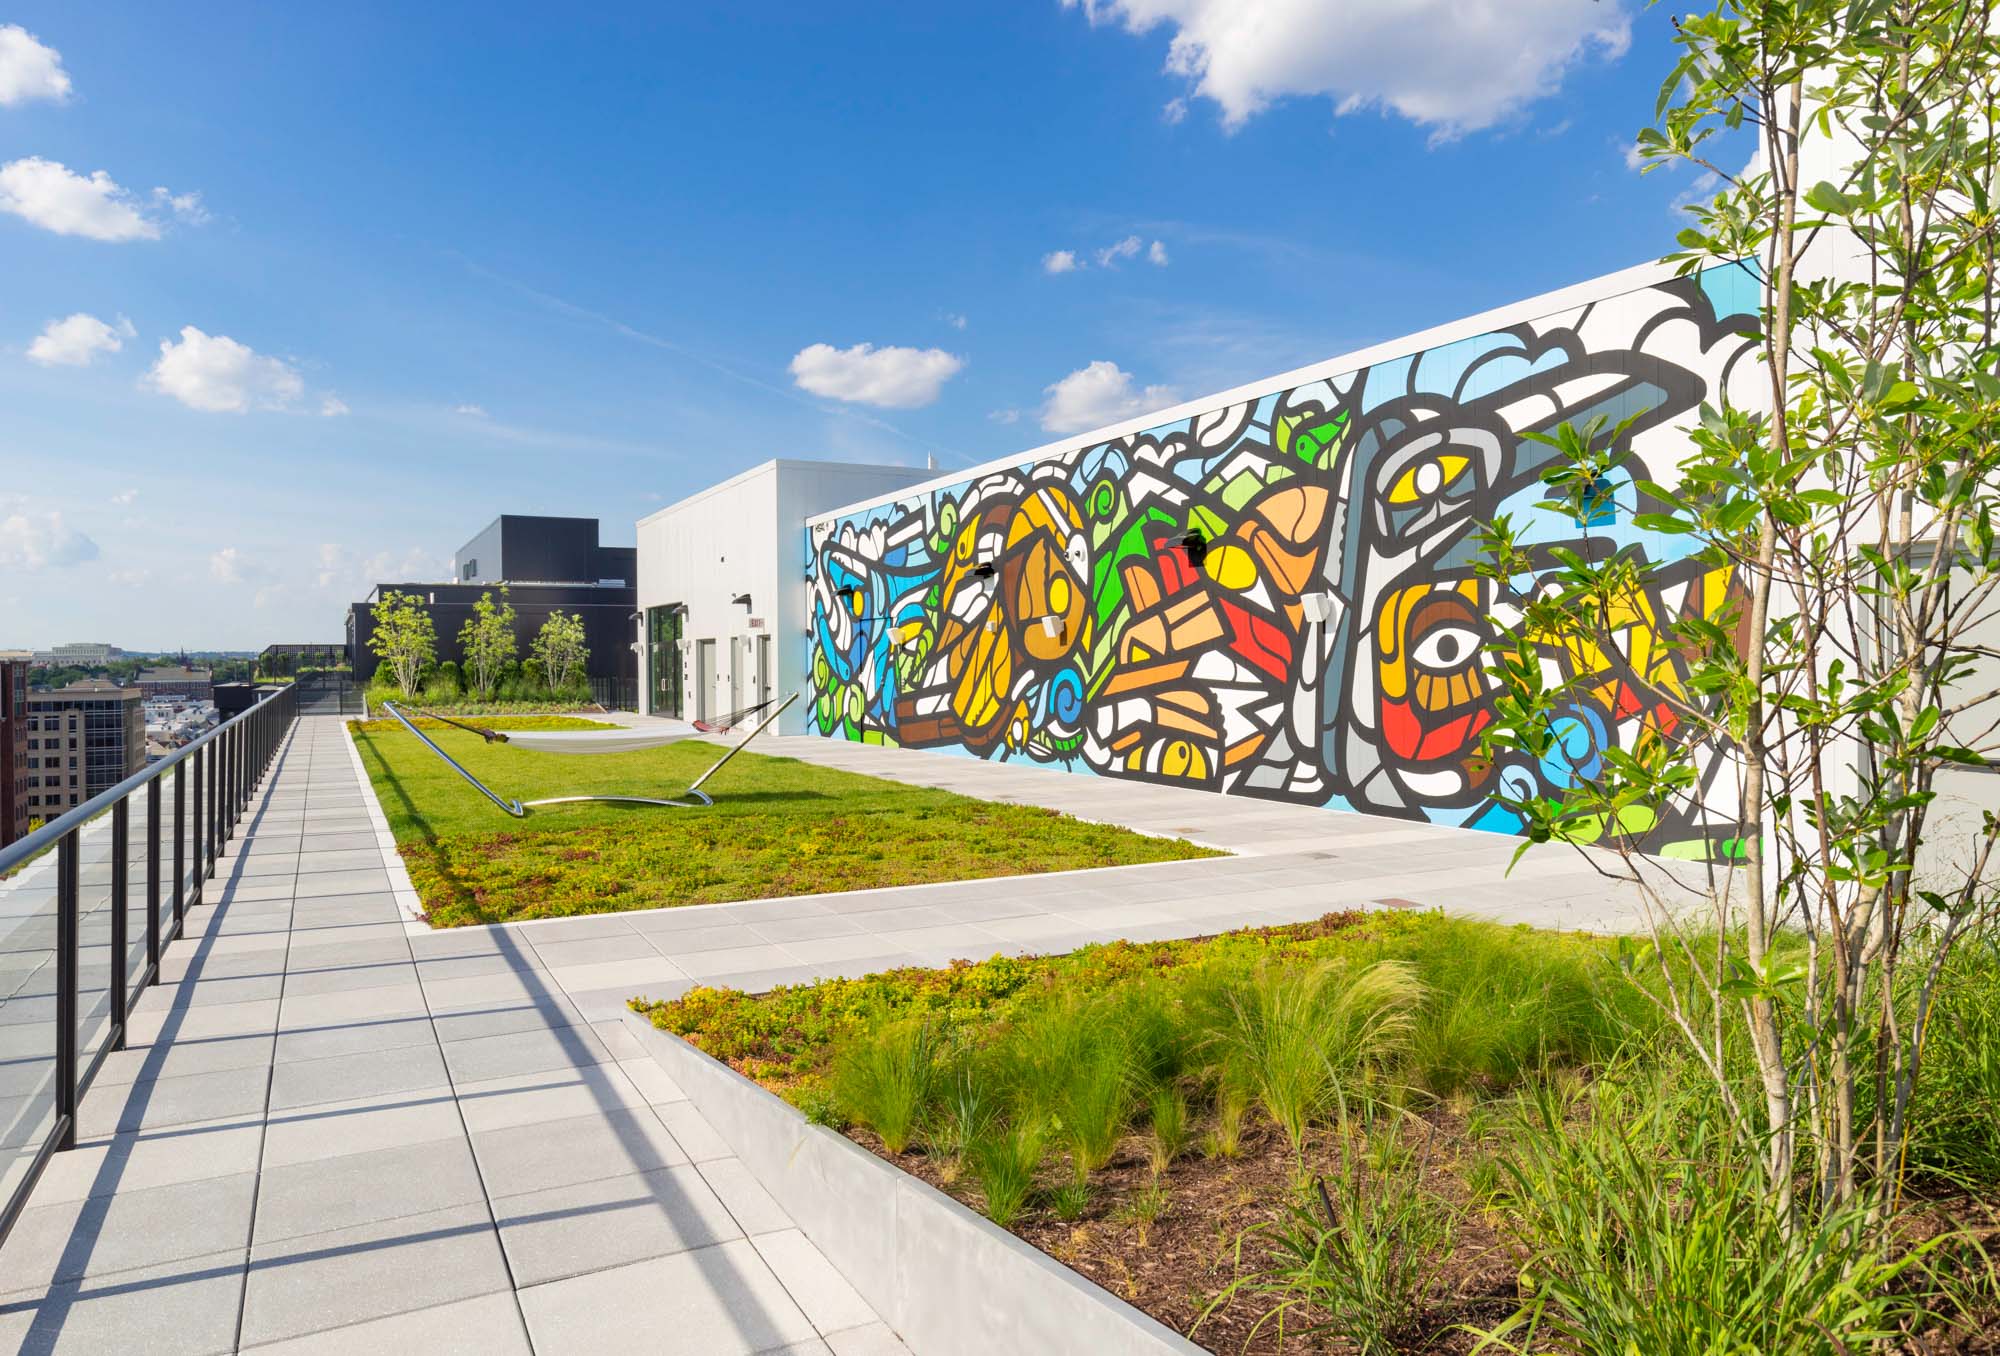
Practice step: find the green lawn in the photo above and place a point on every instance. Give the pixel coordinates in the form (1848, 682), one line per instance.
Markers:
(779, 827)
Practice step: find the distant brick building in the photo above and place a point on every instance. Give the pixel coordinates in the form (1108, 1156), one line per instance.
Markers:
(13, 749)
(195, 684)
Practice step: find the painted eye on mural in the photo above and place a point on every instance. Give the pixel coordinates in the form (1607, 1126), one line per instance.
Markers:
(1428, 477)
(1445, 649)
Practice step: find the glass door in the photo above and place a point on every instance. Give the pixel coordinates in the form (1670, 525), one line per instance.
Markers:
(663, 657)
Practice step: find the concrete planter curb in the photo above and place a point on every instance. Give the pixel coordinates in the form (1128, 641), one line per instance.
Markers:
(949, 1281)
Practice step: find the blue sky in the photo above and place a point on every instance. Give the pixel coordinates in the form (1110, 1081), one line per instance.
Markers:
(414, 266)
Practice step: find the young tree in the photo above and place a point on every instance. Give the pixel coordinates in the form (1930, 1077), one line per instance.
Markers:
(404, 637)
(488, 641)
(1855, 507)
(561, 650)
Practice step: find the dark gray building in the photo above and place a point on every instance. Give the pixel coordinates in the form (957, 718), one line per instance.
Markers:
(523, 549)
(548, 565)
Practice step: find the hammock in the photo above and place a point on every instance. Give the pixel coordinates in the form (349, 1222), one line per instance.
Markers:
(623, 740)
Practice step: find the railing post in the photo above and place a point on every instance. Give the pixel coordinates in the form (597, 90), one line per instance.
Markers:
(153, 876)
(195, 828)
(121, 873)
(66, 975)
(180, 843)
(214, 838)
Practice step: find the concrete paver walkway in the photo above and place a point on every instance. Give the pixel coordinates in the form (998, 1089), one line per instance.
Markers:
(334, 1133)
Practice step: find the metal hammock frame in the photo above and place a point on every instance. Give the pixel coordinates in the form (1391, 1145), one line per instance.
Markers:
(695, 797)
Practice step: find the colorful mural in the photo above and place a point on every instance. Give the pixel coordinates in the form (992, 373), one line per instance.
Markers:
(1279, 597)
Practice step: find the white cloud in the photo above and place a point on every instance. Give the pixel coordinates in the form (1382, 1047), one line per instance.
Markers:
(1174, 113)
(1061, 261)
(131, 577)
(1004, 416)
(75, 340)
(231, 566)
(348, 575)
(1634, 160)
(332, 407)
(39, 540)
(28, 69)
(471, 411)
(897, 378)
(1109, 256)
(1453, 66)
(219, 375)
(125, 498)
(187, 206)
(1102, 393)
(47, 194)
(1156, 254)
(955, 320)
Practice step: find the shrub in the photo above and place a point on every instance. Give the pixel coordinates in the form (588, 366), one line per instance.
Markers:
(1069, 1068)
(968, 1107)
(1955, 1111)
(1005, 1161)
(886, 1081)
(1648, 1230)
(1069, 1201)
(1167, 1110)
(1297, 1033)
(443, 683)
(1232, 1105)
(1500, 1004)
(1359, 1255)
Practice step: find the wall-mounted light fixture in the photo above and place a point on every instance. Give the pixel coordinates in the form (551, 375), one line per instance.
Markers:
(741, 600)
(1052, 625)
(1317, 607)
(1196, 547)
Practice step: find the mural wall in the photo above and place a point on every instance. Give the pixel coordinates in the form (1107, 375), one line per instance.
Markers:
(1278, 598)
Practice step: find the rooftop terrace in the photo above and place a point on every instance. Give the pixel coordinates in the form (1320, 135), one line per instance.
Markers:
(331, 1128)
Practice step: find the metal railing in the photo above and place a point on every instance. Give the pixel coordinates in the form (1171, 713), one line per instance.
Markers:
(213, 781)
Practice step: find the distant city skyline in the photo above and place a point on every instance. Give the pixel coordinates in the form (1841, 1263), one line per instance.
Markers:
(299, 299)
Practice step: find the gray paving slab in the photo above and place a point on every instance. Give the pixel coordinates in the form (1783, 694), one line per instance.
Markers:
(609, 1221)
(187, 1307)
(365, 1073)
(722, 1301)
(518, 1159)
(343, 1192)
(97, 1235)
(485, 1325)
(411, 1262)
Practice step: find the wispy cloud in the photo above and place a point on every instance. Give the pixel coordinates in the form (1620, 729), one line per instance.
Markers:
(638, 336)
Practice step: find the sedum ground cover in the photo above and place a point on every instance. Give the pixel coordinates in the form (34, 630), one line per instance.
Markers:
(779, 827)
(1389, 1132)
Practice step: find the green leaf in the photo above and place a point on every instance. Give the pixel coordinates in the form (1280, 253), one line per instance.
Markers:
(1824, 197)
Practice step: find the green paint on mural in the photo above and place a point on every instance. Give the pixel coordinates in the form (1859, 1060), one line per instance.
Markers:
(1316, 444)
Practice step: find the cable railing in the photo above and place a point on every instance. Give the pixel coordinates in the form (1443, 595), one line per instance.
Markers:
(78, 944)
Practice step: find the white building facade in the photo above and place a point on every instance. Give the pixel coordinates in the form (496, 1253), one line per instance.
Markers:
(722, 597)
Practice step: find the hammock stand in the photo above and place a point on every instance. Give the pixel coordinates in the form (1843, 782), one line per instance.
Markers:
(598, 741)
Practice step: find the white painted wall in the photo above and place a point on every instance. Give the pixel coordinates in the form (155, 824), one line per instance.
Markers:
(743, 536)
